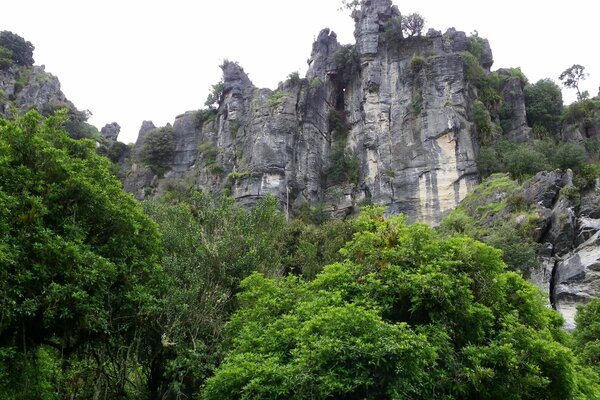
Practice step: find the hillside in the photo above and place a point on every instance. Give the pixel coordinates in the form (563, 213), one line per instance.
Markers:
(403, 222)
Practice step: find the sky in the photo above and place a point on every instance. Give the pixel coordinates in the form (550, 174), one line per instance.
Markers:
(130, 60)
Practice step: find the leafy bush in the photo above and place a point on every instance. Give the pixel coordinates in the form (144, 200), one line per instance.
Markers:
(483, 122)
(392, 32)
(294, 78)
(22, 50)
(417, 101)
(417, 63)
(209, 153)
(158, 149)
(569, 155)
(347, 63)
(214, 97)
(543, 101)
(406, 314)
(489, 161)
(78, 260)
(581, 112)
(275, 99)
(524, 161)
(343, 166)
(474, 72)
(587, 334)
(203, 116)
(6, 60)
(337, 124)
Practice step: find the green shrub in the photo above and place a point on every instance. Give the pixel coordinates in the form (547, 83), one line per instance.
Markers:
(483, 122)
(417, 101)
(158, 149)
(316, 215)
(336, 120)
(570, 193)
(275, 99)
(22, 50)
(569, 156)
(586, 176)
(581, 111)
(347, 63)
(209, 153)
(417, 63)
(525, 161)
(543, 101)
(203, 116)
(215, 168)
(237, 175)
(392, 32)
(343, 166)
(294, 78)
(214, 97)
(475, 46)
(315, 83)
(474, 72)
(6, 60)
(489, 161)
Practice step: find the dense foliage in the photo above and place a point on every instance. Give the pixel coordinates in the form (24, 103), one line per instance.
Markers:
(544, 106)
(406, 314)
(19, 51)
(77, 256)
(158, 148)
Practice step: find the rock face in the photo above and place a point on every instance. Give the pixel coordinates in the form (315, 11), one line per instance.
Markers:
(26, 88)
(111, 131)
(391, 116)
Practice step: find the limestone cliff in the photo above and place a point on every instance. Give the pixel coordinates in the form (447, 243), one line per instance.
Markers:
(24, 88)
(383, 121)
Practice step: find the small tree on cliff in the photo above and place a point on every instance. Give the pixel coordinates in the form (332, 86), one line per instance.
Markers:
(571, 77)
(22, 50)
(413, 24)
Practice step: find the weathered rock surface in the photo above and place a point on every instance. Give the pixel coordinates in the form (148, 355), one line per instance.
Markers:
(28, 88)
(577, 277)
(406, 127)
(111, 131)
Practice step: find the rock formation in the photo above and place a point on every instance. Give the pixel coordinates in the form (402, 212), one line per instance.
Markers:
(393, 115)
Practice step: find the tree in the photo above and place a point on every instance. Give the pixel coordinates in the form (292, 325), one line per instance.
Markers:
(77, 257)
(412, 24)
(158, 149)
(22, 50)
(210, 245)
(571, 77)
(214, 97)
(406, 314)
(544, 105)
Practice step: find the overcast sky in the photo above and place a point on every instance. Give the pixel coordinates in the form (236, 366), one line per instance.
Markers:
(129, 60)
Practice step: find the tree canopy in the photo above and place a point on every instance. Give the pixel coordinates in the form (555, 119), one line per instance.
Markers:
(77, 254)
(405, 315)
(571, 77)
(21, 51)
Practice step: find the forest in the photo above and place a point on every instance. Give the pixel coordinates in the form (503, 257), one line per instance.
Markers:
(190, 296)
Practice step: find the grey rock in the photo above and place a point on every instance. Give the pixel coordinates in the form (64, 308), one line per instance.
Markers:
(516, 128)
(111, 131)
(544, 187)
(562, 227)
(577, 279)
(322, 57)
(487, 57)
(370, 20)
(590, 205)
(455, 41)
(433, 33)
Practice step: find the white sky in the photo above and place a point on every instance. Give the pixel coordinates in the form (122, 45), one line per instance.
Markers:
(132, 60)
